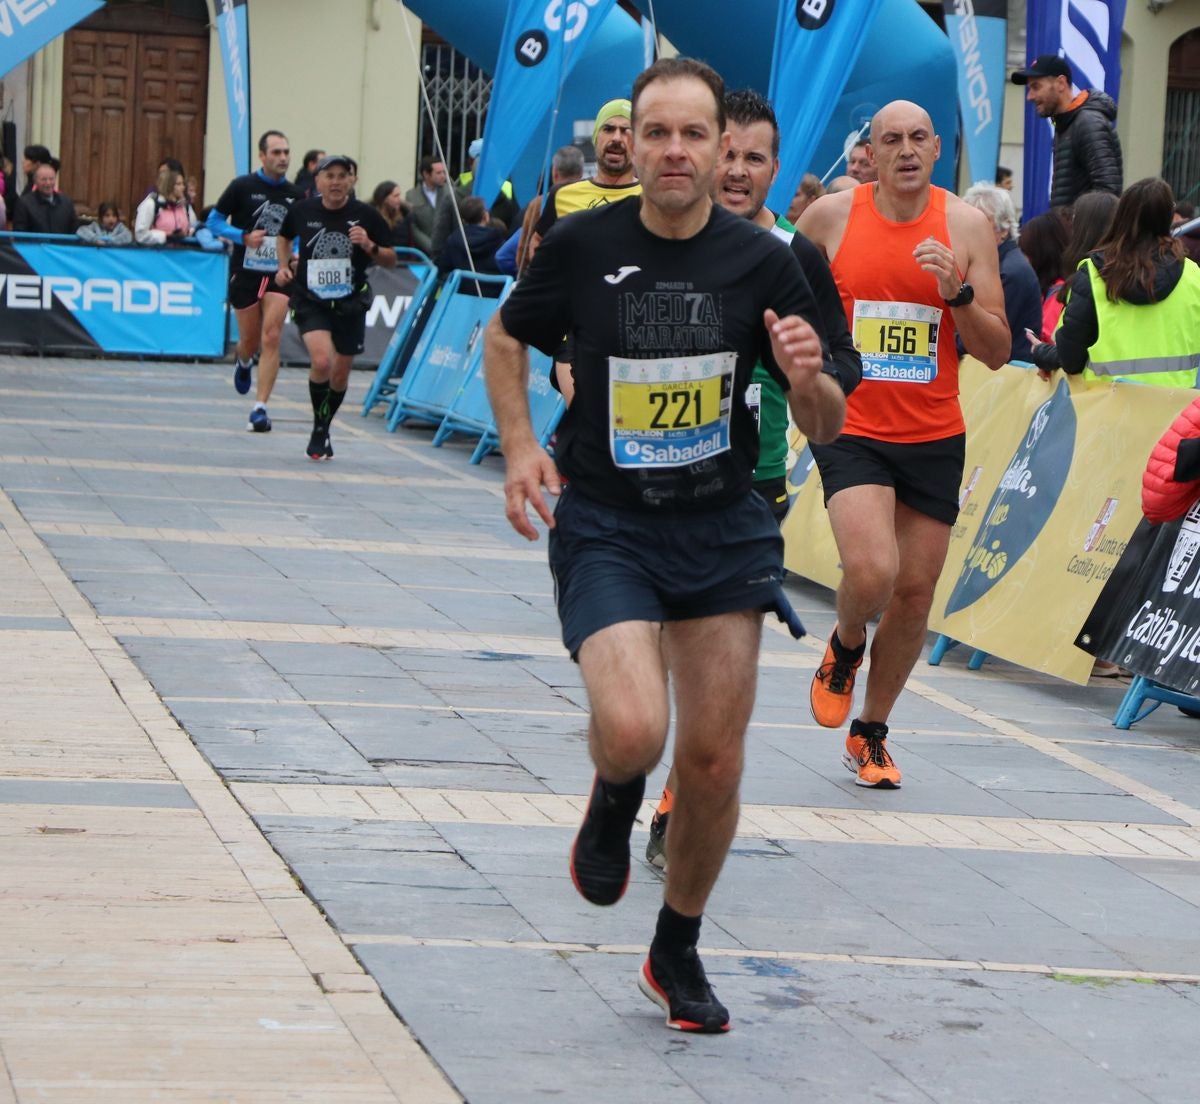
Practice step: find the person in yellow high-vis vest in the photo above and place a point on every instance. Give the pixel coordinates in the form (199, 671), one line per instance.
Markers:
(1134, 311)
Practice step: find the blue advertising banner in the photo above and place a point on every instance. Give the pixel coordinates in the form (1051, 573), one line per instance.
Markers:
(155, 302)
(978, 31)
(817, 43)
(540, 45)
(234, 35)
(1088, 34)
(27, 25)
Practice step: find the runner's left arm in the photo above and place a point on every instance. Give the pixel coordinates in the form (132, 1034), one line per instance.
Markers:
(369, 236)
(982, 324)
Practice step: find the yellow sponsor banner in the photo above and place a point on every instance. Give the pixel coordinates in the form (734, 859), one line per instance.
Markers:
(1051, 494)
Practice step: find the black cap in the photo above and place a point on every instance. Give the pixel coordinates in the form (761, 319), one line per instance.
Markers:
(1048, 65)
(349, 163)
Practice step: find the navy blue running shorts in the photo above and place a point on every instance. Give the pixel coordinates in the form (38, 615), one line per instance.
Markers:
(926, 475)
(612, 565)
(247, 288)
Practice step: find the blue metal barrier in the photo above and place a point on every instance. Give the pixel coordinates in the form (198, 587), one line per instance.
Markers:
(443, 359)
(400, 347)
(1134, 707)
(470, 412)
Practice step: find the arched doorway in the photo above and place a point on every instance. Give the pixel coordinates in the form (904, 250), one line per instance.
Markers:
(135, 90)
(1181, 136)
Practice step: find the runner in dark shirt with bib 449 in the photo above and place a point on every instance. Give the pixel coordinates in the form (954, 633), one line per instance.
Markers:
(339, 239)
(249, 214)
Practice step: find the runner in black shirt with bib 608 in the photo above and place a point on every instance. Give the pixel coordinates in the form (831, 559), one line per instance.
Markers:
(339, 239)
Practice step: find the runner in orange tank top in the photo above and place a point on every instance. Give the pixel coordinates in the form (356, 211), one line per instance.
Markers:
(914, 265)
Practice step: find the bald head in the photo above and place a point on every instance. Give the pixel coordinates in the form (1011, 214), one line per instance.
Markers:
(902, 114)
(904, 147)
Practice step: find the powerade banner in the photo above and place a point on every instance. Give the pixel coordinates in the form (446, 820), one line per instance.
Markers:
(978, 32)
(27, 25)
(234, 36)
(71, 298)
(540, 45)
(817, 43)
(1147, 617)
(1088, 34)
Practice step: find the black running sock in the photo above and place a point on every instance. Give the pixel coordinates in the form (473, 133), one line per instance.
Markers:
(675, 932)
(623, 793)
(846, 655)
(319, 394)
(332, 403)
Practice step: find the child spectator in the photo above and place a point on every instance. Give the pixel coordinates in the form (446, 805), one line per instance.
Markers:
(108, 229)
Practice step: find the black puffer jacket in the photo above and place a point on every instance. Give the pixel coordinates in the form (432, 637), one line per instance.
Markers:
(1087, 152)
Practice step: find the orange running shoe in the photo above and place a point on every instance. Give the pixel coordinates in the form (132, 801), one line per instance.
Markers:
(867, 756)
(832, 692)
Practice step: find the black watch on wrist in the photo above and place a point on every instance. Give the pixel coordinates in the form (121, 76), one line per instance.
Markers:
(965, 296)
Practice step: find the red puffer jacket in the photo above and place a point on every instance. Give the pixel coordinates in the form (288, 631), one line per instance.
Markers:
(1171, 481)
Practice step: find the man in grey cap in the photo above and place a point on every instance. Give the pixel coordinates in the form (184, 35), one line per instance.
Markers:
(1087, 151)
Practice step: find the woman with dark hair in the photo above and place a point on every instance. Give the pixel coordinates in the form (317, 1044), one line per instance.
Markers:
(388, 200)
(1134, 307)
(1091, 216)
(1044, 241)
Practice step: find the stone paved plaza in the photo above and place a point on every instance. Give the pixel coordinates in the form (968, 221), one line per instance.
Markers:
(215, 645)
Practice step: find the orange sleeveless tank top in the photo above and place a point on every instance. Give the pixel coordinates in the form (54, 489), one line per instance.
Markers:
(901, 326)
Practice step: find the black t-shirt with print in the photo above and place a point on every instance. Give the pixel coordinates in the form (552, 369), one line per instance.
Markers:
(330, 266)
(252, 203)
(673, 432)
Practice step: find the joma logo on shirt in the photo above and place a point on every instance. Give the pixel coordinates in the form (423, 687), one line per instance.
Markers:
(671, 308)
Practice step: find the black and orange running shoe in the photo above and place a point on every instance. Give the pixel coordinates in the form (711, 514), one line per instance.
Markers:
(676, 982)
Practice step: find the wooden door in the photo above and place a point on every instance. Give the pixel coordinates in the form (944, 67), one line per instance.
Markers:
(99, 81)
(130, 100)
(172, 95)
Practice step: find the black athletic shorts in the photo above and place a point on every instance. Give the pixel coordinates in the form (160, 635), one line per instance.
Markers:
(345, 319)
(613, 565)
(927, 475)
(246, 288)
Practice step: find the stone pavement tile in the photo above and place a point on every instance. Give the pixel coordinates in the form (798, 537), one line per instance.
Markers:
(1172, 772)
(961, 1039)
(1180, 879)
(183, 667)
(468, 776)
(946, 900)
(412, 736)
(245, 739)
(75, 553)
(320, 566)
(807, 908)
(394, 688)
(143, 595)
(433, 571)
(1143, 1033)
(203, 560)
(516, 1028)
(378, 605)
(275, 600)
(1105, 902)
(40, 791)
(1120, 809)
(568, 770)
(323, 659)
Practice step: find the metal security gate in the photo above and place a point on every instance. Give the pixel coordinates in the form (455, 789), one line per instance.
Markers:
(458, 95)
(1181, 132)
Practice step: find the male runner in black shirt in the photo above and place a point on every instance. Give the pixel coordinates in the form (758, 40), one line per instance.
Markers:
(249, 214)
(663, 558)
(339, 238)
